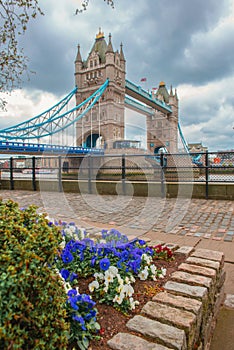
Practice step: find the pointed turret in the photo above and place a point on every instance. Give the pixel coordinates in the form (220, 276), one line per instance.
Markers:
(109, 46)
(171, 91)
(78, 56)
(162, 93)
(78, 67)
(122, 58)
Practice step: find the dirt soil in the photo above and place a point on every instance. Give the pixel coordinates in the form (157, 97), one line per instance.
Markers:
(113, 321)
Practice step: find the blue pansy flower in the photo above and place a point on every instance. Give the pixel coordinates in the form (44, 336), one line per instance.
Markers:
(72, 292)
(141, 242)
(65, 274)
(93, 260)
(66, 256)
(73, 302)
(104, 264)
(73, 276)
(81, 321)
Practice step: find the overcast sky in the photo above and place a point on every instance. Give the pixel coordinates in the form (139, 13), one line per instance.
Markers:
(186, 43)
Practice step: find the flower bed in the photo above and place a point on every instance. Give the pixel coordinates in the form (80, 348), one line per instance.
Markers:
(113, 270)
(61, 289)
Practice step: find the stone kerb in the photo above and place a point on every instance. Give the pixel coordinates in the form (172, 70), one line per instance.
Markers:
(183, 316)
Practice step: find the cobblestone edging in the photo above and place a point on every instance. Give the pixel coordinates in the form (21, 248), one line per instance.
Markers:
(183, 316)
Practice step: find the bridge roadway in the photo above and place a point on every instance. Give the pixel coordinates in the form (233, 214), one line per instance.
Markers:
(11, 147)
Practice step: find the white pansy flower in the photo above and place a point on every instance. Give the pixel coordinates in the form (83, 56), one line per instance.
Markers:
(119, 288)
(118, 299)
(67, 286)
(128, 290)
(133, 303)
(146, 258)
(113, 270)
(153, 269)
(127, 280)
(133, 280)
(120, 280)
(109, 276)
(163, 272)
(99, 275)
(67, 231)
(93, 285)
(81, 234)
(106, 286)
(62, 244)
(143, 275)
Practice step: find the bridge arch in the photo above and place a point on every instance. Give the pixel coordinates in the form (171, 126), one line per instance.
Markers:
(92, 140)
(160, 149)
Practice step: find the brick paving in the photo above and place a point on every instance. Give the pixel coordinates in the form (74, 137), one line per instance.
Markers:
(204, 219)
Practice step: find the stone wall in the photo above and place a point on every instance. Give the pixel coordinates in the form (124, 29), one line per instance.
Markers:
(137, 188)
(183, 316)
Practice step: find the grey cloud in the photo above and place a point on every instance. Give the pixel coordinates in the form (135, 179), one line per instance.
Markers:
(170, 41)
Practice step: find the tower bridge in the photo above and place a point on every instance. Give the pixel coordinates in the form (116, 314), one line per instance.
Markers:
(160, 108)
(102, 94)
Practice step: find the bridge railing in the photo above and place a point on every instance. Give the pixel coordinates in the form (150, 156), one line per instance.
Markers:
(206, 168)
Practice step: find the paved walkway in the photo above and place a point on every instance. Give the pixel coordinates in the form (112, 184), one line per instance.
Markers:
(193, 222)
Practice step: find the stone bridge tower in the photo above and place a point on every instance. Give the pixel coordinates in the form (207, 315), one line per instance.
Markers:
(107, 117)
(162, 129)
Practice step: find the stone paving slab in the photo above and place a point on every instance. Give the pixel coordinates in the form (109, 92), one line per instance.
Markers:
(196, 292)
(198, 270)
(164, 313)
(209, 254)
(204, 262)
(184, 277)
(170, 336)
(127, 341)
(178, 301)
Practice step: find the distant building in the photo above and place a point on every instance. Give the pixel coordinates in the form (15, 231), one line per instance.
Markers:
(197, 147)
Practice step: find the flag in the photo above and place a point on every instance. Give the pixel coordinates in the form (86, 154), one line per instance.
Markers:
(143, 79)
(154, 89)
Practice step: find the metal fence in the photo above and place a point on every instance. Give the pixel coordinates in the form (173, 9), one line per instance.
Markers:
(205, 168)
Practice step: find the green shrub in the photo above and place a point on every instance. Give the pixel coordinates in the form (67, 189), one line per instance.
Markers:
(32, 299)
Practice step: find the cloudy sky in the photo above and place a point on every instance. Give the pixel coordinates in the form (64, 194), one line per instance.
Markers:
(186, 43)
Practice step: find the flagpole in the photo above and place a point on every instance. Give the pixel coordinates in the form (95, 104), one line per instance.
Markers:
(143, 80)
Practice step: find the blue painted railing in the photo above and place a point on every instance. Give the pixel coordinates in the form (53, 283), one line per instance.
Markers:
(20, 147)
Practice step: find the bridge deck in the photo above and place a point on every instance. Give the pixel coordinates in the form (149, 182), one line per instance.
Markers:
(33, 148)
(140, 94)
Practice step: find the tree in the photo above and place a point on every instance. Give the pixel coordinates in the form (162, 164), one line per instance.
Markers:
(85, 4)
(14, 18)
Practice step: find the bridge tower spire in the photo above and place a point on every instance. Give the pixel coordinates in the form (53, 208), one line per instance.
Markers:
(162, 129)
(107, 118)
